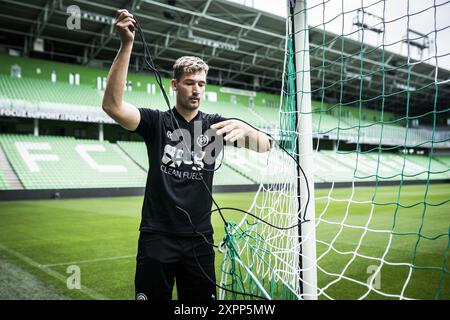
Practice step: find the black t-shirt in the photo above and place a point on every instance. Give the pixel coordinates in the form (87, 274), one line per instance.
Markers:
(181, 157)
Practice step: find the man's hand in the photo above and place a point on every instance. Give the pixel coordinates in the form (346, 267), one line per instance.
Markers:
(244, 134)
(125, 26)
(235, 130)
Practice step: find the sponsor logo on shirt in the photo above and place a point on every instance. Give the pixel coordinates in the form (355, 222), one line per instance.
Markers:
(174, 157)
(179, 160)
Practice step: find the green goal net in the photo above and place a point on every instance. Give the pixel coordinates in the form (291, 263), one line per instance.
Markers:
(354, 199)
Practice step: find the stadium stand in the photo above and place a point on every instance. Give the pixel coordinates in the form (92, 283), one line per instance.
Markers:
(445, 160)
(269, 114)
(3, 184)
(37, 90)
(225, 175)
(252, 164)
(229, 110)
(435, 167)
(137, 151)
(52, 162)
(34, 92)
(247, 162)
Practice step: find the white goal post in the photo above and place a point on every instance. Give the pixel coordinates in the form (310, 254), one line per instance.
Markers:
(307, 234)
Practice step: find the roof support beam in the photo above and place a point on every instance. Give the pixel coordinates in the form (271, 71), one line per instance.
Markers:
(100, 42)
(42, 19)
(226, 22)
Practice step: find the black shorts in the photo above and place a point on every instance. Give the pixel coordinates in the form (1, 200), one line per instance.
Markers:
(163, 258)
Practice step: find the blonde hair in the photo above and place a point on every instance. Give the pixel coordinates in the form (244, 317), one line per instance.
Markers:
(189, 64)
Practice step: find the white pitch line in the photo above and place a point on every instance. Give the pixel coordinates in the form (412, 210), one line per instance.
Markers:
(89, 261)
(92, 293)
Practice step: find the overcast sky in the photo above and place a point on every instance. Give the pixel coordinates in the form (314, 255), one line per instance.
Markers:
(423, 16)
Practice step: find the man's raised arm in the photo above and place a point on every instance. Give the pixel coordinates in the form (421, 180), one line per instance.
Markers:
(125, 114)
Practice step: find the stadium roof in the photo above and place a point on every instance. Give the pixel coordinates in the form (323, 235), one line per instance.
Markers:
(243, 46)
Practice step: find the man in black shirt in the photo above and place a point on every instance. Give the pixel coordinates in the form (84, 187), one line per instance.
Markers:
(175, 233)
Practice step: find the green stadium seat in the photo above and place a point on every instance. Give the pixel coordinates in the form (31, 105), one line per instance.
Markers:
(3, 184)
(137, 151)
(50, 162)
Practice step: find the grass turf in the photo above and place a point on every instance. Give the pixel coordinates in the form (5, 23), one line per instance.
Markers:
(100, 236)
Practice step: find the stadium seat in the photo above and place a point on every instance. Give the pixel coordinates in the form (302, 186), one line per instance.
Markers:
(51, 162)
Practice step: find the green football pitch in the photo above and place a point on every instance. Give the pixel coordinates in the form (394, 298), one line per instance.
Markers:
(41, 240)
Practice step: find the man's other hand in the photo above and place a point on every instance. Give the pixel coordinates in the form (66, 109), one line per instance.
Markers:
(125, 26)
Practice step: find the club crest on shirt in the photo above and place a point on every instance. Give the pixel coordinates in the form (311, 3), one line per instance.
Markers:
(202, 140)
(169, 134)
